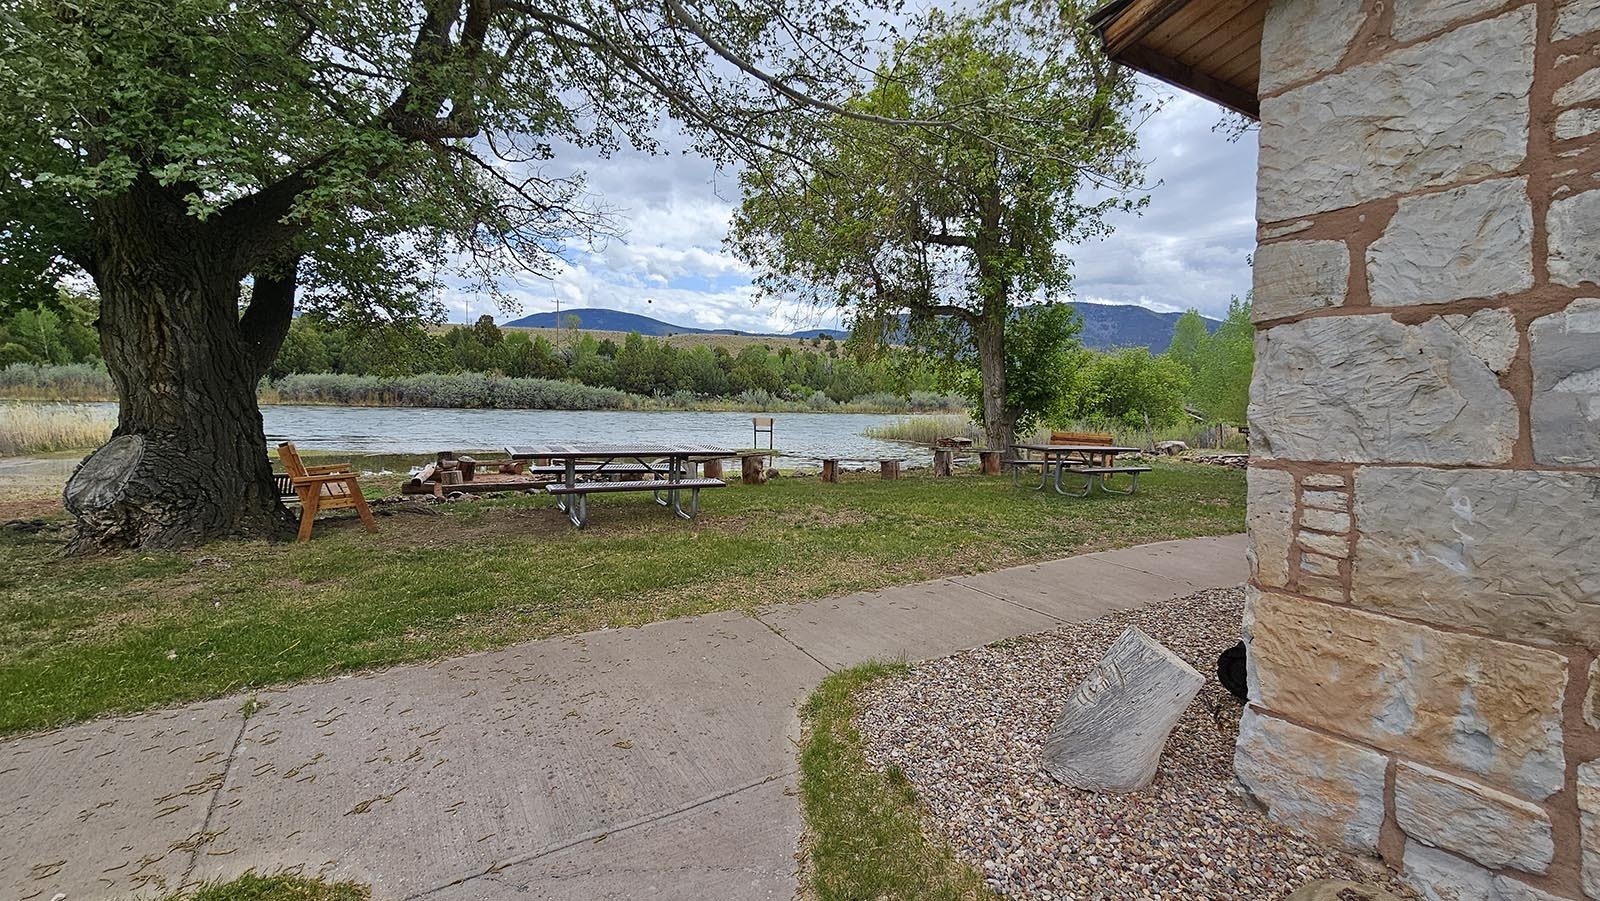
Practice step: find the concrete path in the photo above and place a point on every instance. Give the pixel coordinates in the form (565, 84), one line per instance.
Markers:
(636, 763)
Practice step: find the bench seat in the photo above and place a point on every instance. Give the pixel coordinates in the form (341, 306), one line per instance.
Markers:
(1106, 470)
(668, 494)
(641, 485)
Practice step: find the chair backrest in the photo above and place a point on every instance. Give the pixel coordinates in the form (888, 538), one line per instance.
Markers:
(291, 460)
(1081, 438)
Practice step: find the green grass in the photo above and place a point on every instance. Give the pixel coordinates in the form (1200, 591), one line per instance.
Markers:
(864, 835)
(85, 637)
(251, 887)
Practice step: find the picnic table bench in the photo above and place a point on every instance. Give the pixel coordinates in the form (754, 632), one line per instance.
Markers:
(1096, 463)
(673, 468)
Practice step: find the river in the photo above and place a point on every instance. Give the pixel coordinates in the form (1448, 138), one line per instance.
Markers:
(423, 430)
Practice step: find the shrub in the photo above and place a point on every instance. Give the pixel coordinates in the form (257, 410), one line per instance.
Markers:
(466, 389)
(70, 381)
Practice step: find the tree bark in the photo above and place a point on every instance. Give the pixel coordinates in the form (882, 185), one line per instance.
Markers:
(999, 420)
(187, 463)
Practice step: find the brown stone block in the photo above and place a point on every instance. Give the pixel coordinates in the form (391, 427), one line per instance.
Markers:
(1472, 704)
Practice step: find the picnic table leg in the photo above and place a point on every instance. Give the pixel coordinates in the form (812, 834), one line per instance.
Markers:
(1133, 484)
(578, 510)
(1088, 483)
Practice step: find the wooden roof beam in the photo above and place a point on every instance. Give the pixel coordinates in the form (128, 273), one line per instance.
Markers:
(1188, 78)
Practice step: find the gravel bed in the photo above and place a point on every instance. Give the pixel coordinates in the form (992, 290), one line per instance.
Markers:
(967, 731)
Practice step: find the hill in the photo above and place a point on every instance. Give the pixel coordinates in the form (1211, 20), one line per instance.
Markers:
(1105, 326)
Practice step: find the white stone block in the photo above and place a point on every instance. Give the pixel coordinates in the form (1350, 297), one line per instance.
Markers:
(1471, 241)
(1581, 89)
(1589, 825)
(1573, 223)
(1491, 827)
(1577, 123)
(1415, 18)
(1565, 350)
(1325, 520)
(1330, 789)
(1577, 17)
(1269, 519)
(1492, 335)
(1292, 277)
(1300, 38)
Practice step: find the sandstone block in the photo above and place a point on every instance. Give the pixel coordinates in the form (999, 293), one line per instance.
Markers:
(1577, 123)
(1513, 553)
(1325, 520)
(1474, 704)
(1491, 827)
(1294, 277)
(1366, 389)
(1577, 17)
(1269, 517)
(1328, 545)
(1444, 877)
(1439, 112)
(1591, 700)
(1471, 241)
(1110, 735)
(1492, 335)
(1415, 18)
(1566, 385)
(1321, 480)
(1589, 825)
(1574, 253)
(1301, 38)
(1318, 565)
(1329, 789)
(1583, 88)
(1339, 890)
(1327, 589)
(1326, 500)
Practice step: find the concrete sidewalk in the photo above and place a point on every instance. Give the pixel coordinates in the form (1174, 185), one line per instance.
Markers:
(636, 763)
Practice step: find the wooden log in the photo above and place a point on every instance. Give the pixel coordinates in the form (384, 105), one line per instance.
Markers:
(712, 469)
(944, 461)
(1110, 734)
(751, 470)
(451, 476)
(428, 473)
(513, 467)
(991, 462)
(469, 468)
(889, 469)
(830, 470)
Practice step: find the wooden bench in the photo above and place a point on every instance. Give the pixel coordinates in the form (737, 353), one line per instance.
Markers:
(888, 467)
(1097, 475)
(330, 486)
(578, 508)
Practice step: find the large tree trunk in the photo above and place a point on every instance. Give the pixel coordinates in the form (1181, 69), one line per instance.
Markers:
(187, 462)
(999, 420)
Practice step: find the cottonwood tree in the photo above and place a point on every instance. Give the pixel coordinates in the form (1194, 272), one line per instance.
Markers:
(956, 227)
(211, 164)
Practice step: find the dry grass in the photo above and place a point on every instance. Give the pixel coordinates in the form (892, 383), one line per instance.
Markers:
(36, 429)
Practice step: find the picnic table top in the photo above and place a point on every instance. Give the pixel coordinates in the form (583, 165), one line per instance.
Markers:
(1078, 448)
(576, 451)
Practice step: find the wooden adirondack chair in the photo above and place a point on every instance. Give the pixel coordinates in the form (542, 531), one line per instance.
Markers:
(327, 487)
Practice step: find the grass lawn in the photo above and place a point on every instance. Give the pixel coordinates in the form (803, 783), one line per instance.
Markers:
(80, 638)
(864, 836)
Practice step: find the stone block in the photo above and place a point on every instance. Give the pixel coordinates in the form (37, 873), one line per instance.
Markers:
(1324, 520)
(1473, 704)
(1301, 38)
(1329, 789)
(1269, 517)
(1591, 699)
(1415, 18)
(1329, 590)
(1589, 825)
(1506, 552)
(1318, 565)
(1368, 389)
(1574, 253)
(1577, 123)
(1329, 545)
(1321, 480)
(1565, 349)
(1326, 500)
(1439, 876)
(1433, 114)
(1471, 241)
(1492, 335)
(1491, 827)
(1292, 277)
(1576, 17)
(1579, 90)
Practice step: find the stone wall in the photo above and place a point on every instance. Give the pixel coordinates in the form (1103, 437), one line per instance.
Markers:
(1424, 611)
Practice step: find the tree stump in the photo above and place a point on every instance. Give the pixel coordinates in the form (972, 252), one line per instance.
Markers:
(1110, 734)
(991, 462)
(944, 460)
(889, 469)
(712, 469)
(469, 468)
(751, 471)
(451, 476)
(830, 470)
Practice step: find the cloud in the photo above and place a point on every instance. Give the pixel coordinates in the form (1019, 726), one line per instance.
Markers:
(1187, 249)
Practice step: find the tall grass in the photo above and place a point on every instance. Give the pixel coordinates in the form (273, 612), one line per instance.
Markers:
(928, 429)
(467, 389)
(30, 429)
(75, 381)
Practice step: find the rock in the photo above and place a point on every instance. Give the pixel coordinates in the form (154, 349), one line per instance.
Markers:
(1506, 552)
(1301, 38)
(1576, 17)
(1581, 89)
(1491, 827)
(1327, 545)
(1269, 517)
(1171, 448)
(1370, 389)
(1577, 123)
(1415, 18)
(1471, 241)
(1330, 789)
(1325, 521)
(1292, 277)
(1589, 823)
(1110, 735)
(1326, 500)
(1323, 480)
(1566, 385)
(1492, 335)
(1445, 877)
(1339, 890)
(1437, 113)
(1445, 698)
(1574, 254)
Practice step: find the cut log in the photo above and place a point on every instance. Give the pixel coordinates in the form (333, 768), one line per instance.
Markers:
(513, 467)
(712, 469)
(830, 470)
(991, 462)
(944, 461)
(889, 469)
(1110, 734)
(751, 470)
(469, 468)
(428, 473)
(452, 476)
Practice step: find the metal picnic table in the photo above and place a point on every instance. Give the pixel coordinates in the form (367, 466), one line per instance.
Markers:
(1094, 461)
(678, 462)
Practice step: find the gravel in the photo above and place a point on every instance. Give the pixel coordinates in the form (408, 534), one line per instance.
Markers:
(967, 731)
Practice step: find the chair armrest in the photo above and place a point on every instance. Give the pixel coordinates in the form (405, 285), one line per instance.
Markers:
(320, 478)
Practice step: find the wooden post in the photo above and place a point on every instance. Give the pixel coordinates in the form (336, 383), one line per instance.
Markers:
(991, 462)
(943, 461)
(712, 469)
(450, 476)
(752, 471)
(469, 468)
(889, 469)
(830, 470)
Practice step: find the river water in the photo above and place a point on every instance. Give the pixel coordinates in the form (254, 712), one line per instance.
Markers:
(426, 430)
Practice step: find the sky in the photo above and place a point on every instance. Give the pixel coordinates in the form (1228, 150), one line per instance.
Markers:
(1188, 248)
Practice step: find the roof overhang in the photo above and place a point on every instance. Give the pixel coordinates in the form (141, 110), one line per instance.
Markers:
(1208, 47)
